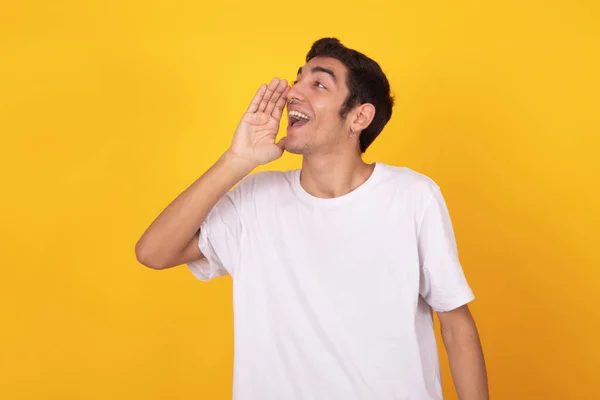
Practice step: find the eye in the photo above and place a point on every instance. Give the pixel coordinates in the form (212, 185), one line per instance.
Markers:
(319, 85)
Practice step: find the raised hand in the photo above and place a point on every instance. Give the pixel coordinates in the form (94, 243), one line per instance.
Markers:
(254, 138)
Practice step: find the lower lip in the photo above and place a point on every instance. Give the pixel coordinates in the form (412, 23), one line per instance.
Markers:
(292, 129)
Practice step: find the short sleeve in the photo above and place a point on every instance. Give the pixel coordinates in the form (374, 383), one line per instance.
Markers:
(219, 239)
(443, 284)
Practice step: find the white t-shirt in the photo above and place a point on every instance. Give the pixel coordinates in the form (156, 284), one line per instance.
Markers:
(333, 297)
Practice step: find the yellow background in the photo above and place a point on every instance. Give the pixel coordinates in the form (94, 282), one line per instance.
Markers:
(109, 109)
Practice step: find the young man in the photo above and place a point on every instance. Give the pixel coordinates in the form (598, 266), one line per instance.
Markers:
(337, 266)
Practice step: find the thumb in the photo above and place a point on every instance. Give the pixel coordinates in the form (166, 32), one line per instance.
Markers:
(281, 142)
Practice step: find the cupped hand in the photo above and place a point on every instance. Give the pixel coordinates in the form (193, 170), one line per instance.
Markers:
(255, 137)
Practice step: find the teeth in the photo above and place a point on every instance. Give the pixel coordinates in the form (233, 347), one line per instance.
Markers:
(298, 115)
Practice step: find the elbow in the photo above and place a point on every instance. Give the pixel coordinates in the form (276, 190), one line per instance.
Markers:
(147, 257)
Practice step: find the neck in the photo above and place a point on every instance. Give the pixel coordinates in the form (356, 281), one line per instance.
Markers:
(333, 175)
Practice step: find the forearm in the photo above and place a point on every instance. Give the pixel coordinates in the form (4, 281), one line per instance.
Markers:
(177, 224)
(467, 363)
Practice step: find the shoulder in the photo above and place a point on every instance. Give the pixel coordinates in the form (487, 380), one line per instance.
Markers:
(406, 181)
(262, 189)
(413, 191)
(267, 179)
(265, 182)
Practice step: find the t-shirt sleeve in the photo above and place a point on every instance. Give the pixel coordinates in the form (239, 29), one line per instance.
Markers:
(219, 239)
(443, 284)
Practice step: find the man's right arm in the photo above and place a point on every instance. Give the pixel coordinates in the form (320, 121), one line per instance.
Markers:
(172, 239)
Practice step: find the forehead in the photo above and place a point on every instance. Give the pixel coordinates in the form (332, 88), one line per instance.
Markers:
(325, 62)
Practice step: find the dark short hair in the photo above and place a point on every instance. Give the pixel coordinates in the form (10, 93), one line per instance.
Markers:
(366, 84)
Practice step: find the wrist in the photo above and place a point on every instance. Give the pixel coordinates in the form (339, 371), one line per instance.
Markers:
(238, 163)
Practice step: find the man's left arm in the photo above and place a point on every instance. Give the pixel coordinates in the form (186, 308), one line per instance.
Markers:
(463, 346)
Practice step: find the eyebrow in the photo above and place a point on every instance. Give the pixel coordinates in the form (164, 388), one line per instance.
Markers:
(321, 69)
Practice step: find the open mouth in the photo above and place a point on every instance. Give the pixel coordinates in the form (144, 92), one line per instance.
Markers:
(297, 119)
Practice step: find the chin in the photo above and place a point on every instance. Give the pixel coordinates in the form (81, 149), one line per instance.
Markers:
(296, 147)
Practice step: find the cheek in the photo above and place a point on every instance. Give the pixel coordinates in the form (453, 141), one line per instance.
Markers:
(329, 115)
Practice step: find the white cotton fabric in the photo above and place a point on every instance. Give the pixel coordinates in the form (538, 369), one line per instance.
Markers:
(333, 297)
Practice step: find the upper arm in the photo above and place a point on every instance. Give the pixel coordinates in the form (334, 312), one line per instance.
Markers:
(191, 252)
(215, 248)
(442, 284)
(458, 318)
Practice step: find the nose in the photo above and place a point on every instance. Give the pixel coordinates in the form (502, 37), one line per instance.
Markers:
(295, 93)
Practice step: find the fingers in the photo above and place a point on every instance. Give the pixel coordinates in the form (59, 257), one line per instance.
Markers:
(277, 96)
(267, 95)
(253, 107)
(271, 95)
(281, 102)
(270, 99)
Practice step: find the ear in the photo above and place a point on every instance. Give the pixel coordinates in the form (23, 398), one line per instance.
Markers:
(362, 117)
